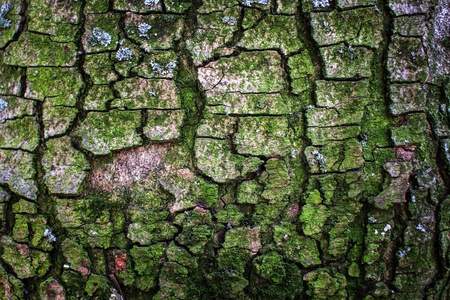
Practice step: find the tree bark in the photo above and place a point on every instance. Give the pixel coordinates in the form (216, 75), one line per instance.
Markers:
(257, 149)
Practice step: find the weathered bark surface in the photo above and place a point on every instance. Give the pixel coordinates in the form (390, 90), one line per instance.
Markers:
(219, 149)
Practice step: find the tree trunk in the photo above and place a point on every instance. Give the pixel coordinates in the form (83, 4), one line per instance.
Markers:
(217, 149)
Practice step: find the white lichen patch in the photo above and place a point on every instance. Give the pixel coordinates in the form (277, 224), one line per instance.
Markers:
(229, 20)
(48, 234)
(143, 29)
(163, 70)
(99, 37)
(151, 2)
(321, 3)
(124, 54)
(3, 104)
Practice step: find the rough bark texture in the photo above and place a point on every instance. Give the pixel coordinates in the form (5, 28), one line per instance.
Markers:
(220, 149)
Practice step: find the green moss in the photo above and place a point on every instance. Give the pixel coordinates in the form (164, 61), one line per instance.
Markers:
(76, 257)
(362, 27)
(34, 49)
(97, 98)
(215, 159)
(98, 285)
(24, 206)
(20, 230)
(313, 218)
(230, 215)
(181, 256)
(25, 262)
(340, 62)
(58, 21)
(20, 134)
(323, 284)
(267, 136)
(100, 133)
(100, 68)
(295, 247)
(96, 6)
(273, 32)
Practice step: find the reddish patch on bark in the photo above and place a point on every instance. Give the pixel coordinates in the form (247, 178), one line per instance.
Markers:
(128, 167)
(55, 291)
(405, 153)
(201, 210)
(23, 249)
(84, 271)
(293, 210)
(7, 289)
(121, 261)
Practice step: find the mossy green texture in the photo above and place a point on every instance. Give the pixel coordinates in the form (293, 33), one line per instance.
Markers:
(273, 32)
(137, 6)
(197, 232)
(243, 238)
(62, 85)
(249, 192)
(295, 247)
(76, 258)
(177, 6)
(358, 27)
(10, 21)
(19, 134)
(96, 6)
(11, 285)
(265, 136)
(250, 72)
(338, 156)
(325, 284)
(272, 277)
(25, 262)
(163, 125)
(33, 50)
(407, 60)
(181, 255)
(147, 263)
(65, 167)
(214, 31)
(100, 68)
(313, 218)
(252, 104)
(20, 230)
(161, 64)
(51, 289)
(10, 83)
(215, 159)
(301, 68)
(97, 97)
(216, 126)
(146, 93)
(346, 62)
(18, 172)
(276, 181)
(57, 119)
(98, 285)
(59, 21)
(101, 133)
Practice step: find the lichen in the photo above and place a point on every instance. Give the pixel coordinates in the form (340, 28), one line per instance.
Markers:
(143, 29)
(124, 53)
(151, 2)
(99, 37)
(3, 104)
(321, 3)
(4, 10)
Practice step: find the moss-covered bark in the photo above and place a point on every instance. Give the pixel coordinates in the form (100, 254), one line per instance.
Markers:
(217, 149)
